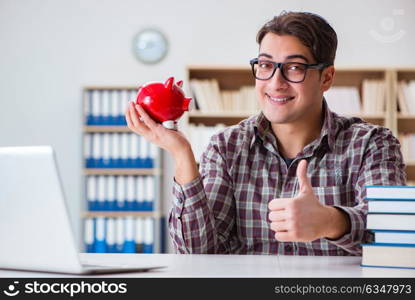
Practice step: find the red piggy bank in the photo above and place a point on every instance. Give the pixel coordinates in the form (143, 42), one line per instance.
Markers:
(164, 102)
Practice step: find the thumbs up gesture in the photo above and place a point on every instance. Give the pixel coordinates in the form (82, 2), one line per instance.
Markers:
(303, 218)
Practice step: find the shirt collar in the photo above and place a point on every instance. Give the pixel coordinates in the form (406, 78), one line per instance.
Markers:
(261, 128)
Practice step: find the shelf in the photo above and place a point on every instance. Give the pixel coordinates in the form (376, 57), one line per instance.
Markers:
(355, 76)
(117, 88)
(122, 172)
(211, 119)
(106, 129)
(229, 77)
(406, 123)
(406, 74)
(221, 114)
(118, 214)
(374, 119)
(229, 118)
(219, 68)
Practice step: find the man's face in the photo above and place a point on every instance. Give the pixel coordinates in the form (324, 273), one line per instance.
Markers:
(303, 100)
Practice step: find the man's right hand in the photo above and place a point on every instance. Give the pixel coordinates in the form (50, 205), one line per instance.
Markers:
(172, 141)
(142, 124)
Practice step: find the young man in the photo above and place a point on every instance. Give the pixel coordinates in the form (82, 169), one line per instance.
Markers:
(290, 180)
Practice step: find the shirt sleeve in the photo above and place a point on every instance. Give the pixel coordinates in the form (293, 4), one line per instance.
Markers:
(203, 211)
(382, 164)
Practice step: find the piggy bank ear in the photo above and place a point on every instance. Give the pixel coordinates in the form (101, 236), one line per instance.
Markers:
(169, 83)
(179, 83)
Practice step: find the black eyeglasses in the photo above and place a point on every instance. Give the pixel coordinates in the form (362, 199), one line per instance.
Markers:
(291, 71)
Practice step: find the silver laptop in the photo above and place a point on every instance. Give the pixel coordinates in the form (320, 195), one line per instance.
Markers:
(35, 231)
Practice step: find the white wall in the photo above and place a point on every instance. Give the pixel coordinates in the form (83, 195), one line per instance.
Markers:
(50, 49)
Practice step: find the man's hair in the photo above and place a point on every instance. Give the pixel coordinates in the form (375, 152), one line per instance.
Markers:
(312, 30)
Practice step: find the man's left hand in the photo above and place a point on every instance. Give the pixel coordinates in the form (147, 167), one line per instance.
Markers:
(302, 218)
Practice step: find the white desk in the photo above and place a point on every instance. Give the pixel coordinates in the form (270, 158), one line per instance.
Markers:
(234, 266)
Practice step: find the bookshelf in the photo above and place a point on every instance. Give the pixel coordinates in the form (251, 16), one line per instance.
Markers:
(91, 214)
(229, 79)
(115, 172)
(103, 128)
(210, 119)
(235, 77)
(122, 211)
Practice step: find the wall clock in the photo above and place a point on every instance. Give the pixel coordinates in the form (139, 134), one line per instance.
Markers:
(150, 46)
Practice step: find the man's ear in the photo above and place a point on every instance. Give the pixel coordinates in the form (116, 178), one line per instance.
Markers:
(327, 78)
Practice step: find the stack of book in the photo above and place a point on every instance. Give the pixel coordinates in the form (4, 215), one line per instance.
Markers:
(106, 107)
(344, 100)
(373, 96)
(121, 193)
(119, 235)
(118, 150)
(209, 98)
(391, 217)
(406, 97)
(407, 147)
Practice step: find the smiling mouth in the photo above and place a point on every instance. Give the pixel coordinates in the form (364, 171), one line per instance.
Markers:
(280, 99)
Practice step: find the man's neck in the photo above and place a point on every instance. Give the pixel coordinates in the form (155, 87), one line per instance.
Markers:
(293, 137)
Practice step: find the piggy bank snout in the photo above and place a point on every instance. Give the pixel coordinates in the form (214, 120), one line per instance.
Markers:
(191, 105)
(147, 100)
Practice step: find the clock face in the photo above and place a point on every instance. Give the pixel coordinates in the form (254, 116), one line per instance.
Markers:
(150, 46)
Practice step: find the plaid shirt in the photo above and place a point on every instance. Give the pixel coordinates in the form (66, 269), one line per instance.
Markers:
(225, 209)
